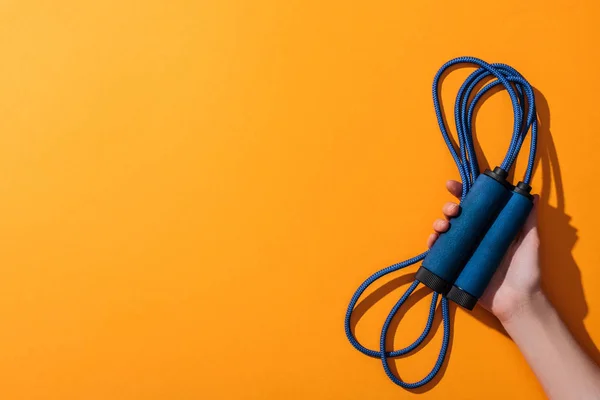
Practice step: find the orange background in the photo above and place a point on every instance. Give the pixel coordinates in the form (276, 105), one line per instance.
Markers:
(191, 191)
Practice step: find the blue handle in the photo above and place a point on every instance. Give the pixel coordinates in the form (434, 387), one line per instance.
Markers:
(453, 248)
(480, 268)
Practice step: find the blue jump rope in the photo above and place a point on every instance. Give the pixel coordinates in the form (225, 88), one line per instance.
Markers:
(461, 263)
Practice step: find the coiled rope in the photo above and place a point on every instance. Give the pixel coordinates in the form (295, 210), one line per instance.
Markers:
(523, 103)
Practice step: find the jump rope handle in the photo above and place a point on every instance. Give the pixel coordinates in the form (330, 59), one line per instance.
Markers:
(447, 257)
(461, 263)
(478, 272)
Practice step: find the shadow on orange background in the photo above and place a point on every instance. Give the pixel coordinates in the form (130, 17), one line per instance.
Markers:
(561, 277)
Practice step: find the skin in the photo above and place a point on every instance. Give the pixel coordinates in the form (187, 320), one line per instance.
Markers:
(516, 298)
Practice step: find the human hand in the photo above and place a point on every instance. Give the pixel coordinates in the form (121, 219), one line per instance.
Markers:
(517, 280)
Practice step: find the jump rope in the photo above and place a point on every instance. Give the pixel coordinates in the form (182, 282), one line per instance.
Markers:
(461, 263)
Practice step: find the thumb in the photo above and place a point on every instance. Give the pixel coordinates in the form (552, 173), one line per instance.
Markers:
(530, 231)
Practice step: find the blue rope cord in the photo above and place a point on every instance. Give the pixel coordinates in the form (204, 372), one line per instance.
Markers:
(523, 103)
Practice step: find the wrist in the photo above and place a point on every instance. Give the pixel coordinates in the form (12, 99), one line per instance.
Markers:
(533, 306)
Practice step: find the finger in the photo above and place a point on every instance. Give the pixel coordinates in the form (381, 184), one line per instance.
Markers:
(455, 188)
(530, 231)
(450, 210)
(431, 239)
(441, 225)
(531, 221)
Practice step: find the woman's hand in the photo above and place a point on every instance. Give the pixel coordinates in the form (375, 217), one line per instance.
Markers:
(515, 297)
(517, 280)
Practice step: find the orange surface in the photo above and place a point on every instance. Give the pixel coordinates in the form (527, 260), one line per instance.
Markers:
(192, 190)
